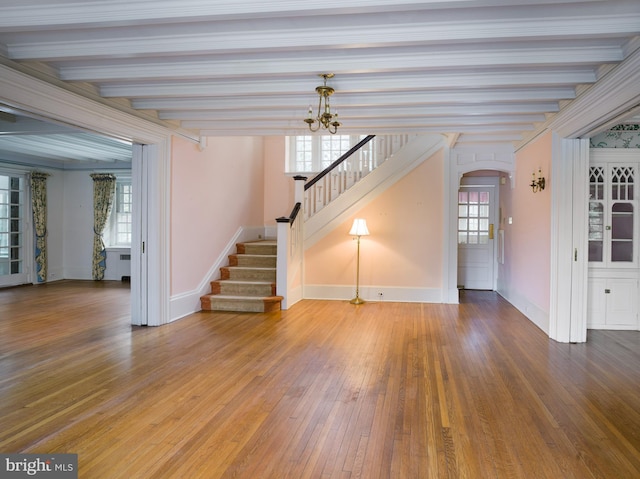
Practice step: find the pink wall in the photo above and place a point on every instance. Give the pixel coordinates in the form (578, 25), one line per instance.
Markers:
(525, 275)
(213, 193)
(278, 187)
(405, 245)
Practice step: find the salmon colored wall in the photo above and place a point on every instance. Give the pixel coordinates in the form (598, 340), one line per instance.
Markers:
(214, 193)
(404, 248)
(525, 275)
(278, 187)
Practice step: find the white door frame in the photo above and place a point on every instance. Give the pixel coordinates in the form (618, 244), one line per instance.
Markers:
(27, 93)
(461, 160)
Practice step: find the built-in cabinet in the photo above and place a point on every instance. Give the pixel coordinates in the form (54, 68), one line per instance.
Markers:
(614, 273)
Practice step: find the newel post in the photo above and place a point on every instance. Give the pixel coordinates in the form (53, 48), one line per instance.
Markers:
(282, 252)
(299, 182)
(289, 250)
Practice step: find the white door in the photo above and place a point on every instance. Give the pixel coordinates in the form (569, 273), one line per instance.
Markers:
(139, 239)
(13, 230)
(476, 235)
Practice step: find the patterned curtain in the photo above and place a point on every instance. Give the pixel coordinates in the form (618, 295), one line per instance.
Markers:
(104, 187)
(38, 183)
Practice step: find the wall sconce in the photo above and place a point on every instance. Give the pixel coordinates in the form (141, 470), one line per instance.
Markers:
(358, 229)
(537, 184)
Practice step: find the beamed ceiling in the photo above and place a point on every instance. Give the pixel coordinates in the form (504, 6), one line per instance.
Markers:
(476, 70)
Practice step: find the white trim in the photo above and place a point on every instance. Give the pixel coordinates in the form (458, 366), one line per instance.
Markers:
(531, 311)
(26, 93)
(370, 293)
(613, 327)
(461, 160)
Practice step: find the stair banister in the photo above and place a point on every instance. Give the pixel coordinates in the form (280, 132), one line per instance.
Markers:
(338, 162)
(348, 170)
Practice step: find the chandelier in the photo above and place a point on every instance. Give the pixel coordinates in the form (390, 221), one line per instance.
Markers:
(324, 118)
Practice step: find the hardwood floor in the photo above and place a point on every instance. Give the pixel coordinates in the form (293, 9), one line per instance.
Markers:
(323, 390)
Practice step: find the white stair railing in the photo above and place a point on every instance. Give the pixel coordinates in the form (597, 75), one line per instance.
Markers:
(331, 184)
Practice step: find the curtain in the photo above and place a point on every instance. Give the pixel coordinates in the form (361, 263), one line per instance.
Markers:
(104, 187)
(38, 183)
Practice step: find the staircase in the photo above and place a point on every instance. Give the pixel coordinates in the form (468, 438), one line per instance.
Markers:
(248, 283)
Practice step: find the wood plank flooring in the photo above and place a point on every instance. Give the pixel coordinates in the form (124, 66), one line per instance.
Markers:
(323, 390)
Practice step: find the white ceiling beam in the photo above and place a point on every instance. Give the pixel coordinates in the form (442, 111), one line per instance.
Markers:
(443, 97)
(66, 14)
(329, 36)
(345, 85)
(449, 124)
(368, 112)
(270, 130)
(353, 62)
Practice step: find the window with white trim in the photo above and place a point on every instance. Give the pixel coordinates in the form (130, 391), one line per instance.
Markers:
(119, 228)
(313, 153)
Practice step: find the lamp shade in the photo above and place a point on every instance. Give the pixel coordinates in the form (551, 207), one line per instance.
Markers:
(359, 228)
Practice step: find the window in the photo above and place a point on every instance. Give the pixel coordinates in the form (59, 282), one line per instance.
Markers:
(119, 228)
(473, 217)
(313, 153)
(11, 224)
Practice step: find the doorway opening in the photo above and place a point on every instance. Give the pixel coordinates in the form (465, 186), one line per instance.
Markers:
(477, 231)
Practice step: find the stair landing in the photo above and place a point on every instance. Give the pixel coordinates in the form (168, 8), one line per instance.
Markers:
(248, 283)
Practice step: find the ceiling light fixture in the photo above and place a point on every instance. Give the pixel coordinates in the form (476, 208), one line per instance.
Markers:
(324, 118)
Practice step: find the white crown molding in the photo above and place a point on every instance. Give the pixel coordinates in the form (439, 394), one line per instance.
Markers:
(614, 94)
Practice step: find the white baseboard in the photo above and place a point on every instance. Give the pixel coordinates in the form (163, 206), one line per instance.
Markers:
(78, 273)
(371, 293)
(536, 315)
(614, 327)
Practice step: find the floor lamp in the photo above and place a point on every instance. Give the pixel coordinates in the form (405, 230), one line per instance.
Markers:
(358, 229)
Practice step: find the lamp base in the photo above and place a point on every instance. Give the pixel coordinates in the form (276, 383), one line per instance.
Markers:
(357, 300)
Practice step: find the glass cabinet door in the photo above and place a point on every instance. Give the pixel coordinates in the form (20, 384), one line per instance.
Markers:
(622, 213)
(612, 215)
(622, 232)
(596, 214)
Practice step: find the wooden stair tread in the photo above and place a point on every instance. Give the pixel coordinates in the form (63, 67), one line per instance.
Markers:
(261, 268)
